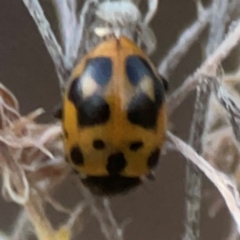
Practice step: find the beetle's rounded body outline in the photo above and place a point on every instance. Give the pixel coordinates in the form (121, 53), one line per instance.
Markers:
(114, 116)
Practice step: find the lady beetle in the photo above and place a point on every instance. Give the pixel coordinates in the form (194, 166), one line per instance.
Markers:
(114, 117)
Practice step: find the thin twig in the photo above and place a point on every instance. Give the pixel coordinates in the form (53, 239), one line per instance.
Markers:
(67, 11)
(206, 68)
(226, 187)
(82, 26)
(232, 109)
(193, 175)
(218, 22)
(76, 220)
(22, 227)
(184, 42)
(49, 38)
(100, 208)
(152, 9)
(43, 228)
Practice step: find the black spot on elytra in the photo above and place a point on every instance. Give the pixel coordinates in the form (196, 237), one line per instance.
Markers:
(134, 146)
(116, 163)
(137, 68)
(143, 111)
(98, 144)
(110, 185)
(92, 110)
(153, 158)
(76, 156)
(100, 69)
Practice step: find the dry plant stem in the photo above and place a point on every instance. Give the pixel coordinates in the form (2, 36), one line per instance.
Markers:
(231, 40)
(152, 9)
(49, 39)
(18, 179)
(233, 111)
(107, 221)
(184, 42)
(74, 25)
(217, 25)
(67, 11)
(48, 199)
(109, 213)
(207, 68)
(79, 36)
(36, 214)
(21, 228)
(193, 175)
(226, 187)
(100, 208)
(43, 228)
(75, 221)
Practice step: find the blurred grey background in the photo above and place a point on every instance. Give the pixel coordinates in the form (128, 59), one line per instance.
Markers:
(156, 210)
